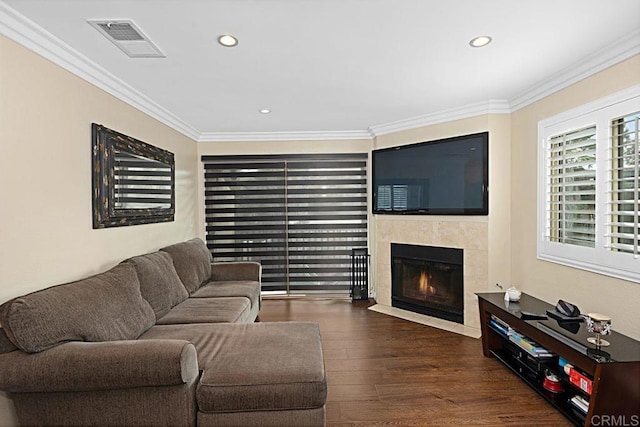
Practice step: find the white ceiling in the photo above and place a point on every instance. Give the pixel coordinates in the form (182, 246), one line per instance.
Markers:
(336, 65)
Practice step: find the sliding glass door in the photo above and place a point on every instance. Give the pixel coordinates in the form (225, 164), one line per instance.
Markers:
(299, 216)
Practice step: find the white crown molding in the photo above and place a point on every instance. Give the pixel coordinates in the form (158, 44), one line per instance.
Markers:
(471, 110)
(283, 136)
(30, 35)
(619, 51)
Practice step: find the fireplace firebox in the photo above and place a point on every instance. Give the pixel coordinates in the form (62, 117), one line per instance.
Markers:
(428, 280)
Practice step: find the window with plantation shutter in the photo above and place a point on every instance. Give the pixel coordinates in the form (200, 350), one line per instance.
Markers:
(396, 196)
(385, 198)
(298, 215)
(400, 197)
(571, 203)
(623, 222)
(588, 187)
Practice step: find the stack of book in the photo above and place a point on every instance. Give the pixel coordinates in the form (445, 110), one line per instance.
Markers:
(528, 345)
(580, 403)
(579, 379)
(499, 325)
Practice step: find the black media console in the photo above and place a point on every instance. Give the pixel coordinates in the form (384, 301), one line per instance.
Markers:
(598, 387)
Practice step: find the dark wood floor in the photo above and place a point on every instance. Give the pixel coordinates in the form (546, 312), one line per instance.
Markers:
(384, 371)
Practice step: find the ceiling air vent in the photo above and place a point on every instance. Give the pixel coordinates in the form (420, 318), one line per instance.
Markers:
(128, 37)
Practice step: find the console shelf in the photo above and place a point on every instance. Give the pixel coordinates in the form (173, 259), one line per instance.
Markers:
(614, 370)
(558, 400)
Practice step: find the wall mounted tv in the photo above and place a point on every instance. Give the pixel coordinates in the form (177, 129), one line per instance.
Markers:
(444, 177)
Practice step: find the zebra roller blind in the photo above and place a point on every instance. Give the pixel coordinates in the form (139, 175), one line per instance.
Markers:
(298, 215)
(141, 183)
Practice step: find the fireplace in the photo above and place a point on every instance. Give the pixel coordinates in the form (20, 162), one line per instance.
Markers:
(428, 280)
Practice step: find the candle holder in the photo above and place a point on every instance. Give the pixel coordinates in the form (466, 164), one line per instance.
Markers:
(598, 324)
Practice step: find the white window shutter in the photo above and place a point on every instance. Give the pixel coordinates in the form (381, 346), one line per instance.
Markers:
(571, 192)
(622, 214)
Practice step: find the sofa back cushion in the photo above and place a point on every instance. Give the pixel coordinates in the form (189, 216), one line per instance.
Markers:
(159, 281)
(192, 260)
(104, 307)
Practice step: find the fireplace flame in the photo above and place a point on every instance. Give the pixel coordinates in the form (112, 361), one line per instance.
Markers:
(425, 288)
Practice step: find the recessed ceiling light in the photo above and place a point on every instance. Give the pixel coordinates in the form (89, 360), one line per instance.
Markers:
(265, 111)
(480, 41)
(227, 40)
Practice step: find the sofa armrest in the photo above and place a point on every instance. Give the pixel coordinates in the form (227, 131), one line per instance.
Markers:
(91, 366)
(241, 270)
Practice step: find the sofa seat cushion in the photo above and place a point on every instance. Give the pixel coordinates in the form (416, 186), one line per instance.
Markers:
(206, 337)
(209, 310)
(192, 261)
(104, 307)
(241, 288)
(254, 366)
(159, 281)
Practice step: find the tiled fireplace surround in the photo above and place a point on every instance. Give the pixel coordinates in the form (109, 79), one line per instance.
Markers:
(469, 235)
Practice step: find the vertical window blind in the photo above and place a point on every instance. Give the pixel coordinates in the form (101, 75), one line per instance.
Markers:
(298, 215)
(571, 195)
(623, 222)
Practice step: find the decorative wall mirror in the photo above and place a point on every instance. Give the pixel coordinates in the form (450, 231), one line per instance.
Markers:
(133, 182)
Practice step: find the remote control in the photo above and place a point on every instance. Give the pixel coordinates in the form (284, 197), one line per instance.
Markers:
(525, 315)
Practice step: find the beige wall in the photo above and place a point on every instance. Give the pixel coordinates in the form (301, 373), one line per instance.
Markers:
(485, 239)
(591, 292)
(46, 233)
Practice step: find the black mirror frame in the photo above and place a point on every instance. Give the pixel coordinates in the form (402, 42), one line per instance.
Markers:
(104, 143)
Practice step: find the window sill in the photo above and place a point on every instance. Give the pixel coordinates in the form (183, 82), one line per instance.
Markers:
(631, 275)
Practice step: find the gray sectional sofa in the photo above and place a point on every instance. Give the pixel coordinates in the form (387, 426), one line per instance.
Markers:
(166, 339)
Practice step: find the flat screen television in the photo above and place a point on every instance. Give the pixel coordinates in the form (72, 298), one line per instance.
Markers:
(444, 177)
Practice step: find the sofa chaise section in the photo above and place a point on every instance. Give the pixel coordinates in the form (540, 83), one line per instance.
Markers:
(260, 374)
